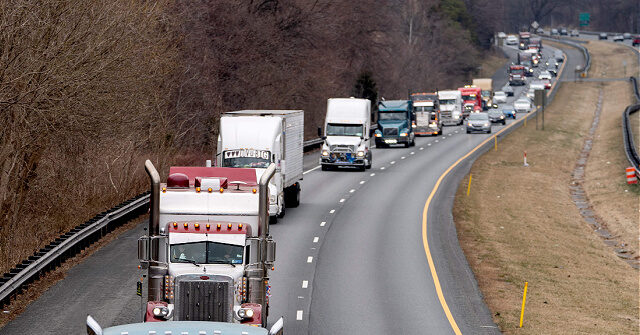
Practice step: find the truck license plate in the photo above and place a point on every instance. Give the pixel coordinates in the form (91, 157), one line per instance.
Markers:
(390, 141)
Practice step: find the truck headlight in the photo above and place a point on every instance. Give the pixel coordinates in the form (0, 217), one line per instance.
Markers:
(486, 124)
(245, 313)
(161, 311)
(325, 153)
(403, 134)
(456, 116)
(360, 154)
(378, 135)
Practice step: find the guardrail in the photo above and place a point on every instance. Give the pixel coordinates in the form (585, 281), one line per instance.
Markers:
(585, 52)
(68, 245)
(627, 131)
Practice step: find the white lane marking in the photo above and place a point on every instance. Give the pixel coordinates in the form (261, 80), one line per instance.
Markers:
(402, 157)
(412, 153)
(316, 239)
(315, 168)
(382, 168)
(444, 138)
(361, 182)
(450, 134)
(341, 200)
(429, 144)
(436, 141)
(305, 283)
(310, 259)
(323, 223)
(393, 162)
(352, 190)
(299, 315)
(456, 131)
(332, 211)
(421, 148)
(373, 174)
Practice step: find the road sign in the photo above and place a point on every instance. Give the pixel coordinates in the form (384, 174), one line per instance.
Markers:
(139, 289)
(584, 18)
(535, 25)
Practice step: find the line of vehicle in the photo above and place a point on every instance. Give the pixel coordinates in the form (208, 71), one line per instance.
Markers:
(425, 212)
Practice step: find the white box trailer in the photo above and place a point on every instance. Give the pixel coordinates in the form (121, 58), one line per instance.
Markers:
(256, 138)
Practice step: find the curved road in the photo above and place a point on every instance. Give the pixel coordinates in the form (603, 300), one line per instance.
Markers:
(351, 258)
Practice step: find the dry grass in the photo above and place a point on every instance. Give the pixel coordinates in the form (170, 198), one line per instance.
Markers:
(576, 284)
(608, 60)
(491, 64)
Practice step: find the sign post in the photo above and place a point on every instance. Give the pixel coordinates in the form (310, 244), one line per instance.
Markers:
(540, 100)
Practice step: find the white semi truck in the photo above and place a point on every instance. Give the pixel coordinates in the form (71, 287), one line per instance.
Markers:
(347, 129)
(257, 138)
(208, 252)
(450, 107)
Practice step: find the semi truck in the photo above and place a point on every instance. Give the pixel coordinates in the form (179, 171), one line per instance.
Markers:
(524, 59)
(347, 129)
(394, 123)
(182, 327)
(516, 75)
(524, 37)
(471, 100)
(486, 90)
(451, 107)
(208, 251)
(426, 109)
(257, 138)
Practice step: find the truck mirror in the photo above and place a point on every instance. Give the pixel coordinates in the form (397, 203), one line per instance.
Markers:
(277, 328)
(319, 132)
(253, 244)
(271, 251)
(93, 328)
(323, 137)
(143, 249)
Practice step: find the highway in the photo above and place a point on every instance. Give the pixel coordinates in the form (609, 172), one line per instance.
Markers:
(350, 259)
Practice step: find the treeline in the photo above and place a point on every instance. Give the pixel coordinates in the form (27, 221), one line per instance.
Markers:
(88, 90)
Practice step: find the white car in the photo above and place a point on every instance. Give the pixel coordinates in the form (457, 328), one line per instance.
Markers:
(627, 36)
(618, 38)
(512, 40)
(575, 33)
(502, 35)
(522, 105)
(544, 75)
(531, 93)
(500, 97)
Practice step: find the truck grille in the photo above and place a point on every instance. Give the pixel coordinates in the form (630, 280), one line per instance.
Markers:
(204, 300)
(390, 131)
(342, 148)
(445, 113)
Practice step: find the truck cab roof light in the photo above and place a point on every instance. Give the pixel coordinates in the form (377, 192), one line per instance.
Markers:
(186, 225)
(210, 190)
(197, 226)
(229, 226)
(221, 189)
(164, 190)
(240, 226)
(218, 226)
(197, 189)
(175, 225)
(208, 226)
(254, 191)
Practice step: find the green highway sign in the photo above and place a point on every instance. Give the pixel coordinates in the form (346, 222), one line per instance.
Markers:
(584, 18)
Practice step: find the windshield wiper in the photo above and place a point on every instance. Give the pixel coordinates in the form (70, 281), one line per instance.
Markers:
(189, 261)
(222, 262)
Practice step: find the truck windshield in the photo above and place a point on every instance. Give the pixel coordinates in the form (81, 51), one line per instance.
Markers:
(206, 253)
(517, 72)
(246, 158)
(486, 94)
(423, 109)
(447, 101)
(467, 97)
(341, 129)
(399, 115)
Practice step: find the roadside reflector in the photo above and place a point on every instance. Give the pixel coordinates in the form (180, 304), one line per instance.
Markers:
(631, 176)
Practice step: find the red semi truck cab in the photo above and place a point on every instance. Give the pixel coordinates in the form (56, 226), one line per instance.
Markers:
(516, 75)
(471, 99)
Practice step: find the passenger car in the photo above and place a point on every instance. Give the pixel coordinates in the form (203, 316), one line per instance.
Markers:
(523, 105)
(636, 41)
(627, 36)
(544, 75)
(511, 40)
(554, 32)
(603, 36)
(509, 111)
(575, 33)
(618, 38)
(500, 97)
(478, 122)
(496, 116)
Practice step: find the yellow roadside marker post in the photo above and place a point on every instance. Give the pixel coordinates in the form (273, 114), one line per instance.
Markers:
(469, 187)
(495, 143)
(524, 299)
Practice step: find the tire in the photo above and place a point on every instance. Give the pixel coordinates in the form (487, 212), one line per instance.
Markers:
(273, 219)
(489, 131)
(413, 143)
(368, 166)
(504, 122)
(325, 168)
(283, 212)
(292, 196)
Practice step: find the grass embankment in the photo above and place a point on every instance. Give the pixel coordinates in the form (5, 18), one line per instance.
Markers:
(520, 225)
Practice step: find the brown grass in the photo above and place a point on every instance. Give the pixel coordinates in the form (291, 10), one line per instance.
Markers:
(493, 61)
(576, 284)
(608, 60)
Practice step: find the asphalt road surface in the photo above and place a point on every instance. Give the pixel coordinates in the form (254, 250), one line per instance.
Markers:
(351, 258)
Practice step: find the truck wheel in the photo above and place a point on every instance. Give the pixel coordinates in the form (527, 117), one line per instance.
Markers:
(406, 145)
(273, 219)
(413, 143)
(292, 195)
(283, 211)
(325, 168)
(368, 166)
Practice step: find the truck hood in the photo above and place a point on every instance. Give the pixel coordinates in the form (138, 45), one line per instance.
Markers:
(343, 140)
(393, 124)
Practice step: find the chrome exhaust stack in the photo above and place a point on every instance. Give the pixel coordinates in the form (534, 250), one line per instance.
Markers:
(157, 266)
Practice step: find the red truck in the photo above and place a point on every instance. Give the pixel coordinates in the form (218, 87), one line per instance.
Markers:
(516, 75)
(471, 99)
(524, 36)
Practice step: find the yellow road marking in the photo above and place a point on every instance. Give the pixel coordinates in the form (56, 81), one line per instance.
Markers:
(425, 212)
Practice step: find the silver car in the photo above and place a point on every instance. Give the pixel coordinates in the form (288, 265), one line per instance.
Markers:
(522, 105)
(478, 122)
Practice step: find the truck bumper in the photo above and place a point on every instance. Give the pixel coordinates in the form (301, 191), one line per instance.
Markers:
(392, 140)
(339, 162)
(423, 131)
